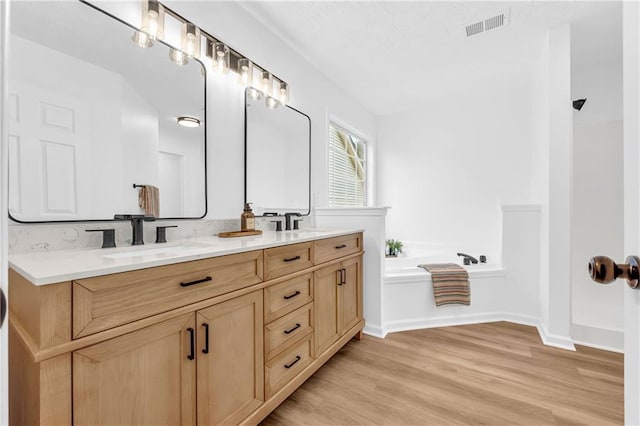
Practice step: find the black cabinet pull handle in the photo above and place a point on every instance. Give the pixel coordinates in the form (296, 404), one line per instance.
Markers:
(341, 246)
(287, 366)
(344, 276)
(339, 271)
(291, 296)
(291, 259)
(192, 344)
(205, 350)
(292, 329)
(203, 280)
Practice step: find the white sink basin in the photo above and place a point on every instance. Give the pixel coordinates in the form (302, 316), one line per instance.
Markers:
(158, 251)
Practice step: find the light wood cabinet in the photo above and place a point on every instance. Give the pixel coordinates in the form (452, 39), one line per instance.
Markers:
(230, 360)
(140, 378)
(222, 340)
(337, 301)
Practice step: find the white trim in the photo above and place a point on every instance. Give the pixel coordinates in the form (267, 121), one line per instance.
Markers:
(512, 208)
(597, 337)
(562, 342)
(418, 277)
(374, 330)
(351, 211)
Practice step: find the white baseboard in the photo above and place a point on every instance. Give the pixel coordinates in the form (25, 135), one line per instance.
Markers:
(597, 337)
(421, 323)
(374, 330)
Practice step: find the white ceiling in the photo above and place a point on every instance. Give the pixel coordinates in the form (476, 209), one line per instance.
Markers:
(391, 55)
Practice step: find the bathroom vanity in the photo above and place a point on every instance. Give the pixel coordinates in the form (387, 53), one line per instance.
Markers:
(205, 331)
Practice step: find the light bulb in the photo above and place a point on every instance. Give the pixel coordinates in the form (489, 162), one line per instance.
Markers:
(178, 57)
(153, 19)
(267, 83)
(219, 54)
(141, 39)
(245, 72)
(254, 93)
(284, 93)
(191, 40)
(272, 103)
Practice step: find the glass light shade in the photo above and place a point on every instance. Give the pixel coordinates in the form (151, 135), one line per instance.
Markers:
(178, 57)
(245, 72)
(266, 83)
(191, 40)
(142, 39)
(283, 96)
(219, 54)
(153, 19)
(272, 103)
(254, 93)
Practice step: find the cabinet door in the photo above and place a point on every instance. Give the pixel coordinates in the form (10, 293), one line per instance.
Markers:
(350, 294)
(142, 378)
(325, 296)
(231, 365)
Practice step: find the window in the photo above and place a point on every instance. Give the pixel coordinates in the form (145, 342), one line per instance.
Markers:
(347, 168)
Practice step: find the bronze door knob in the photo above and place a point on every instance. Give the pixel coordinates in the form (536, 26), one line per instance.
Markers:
(604, 270)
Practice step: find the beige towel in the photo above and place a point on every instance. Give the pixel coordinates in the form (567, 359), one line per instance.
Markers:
(450, 283)
(149, 200)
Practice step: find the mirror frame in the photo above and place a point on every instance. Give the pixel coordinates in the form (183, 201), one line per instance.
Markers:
(206, 201)
(245, 149)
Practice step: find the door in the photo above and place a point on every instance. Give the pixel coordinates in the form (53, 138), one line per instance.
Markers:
(146, 377)
(230, 360)
(325, 298)
(631, 96)
(349, 293)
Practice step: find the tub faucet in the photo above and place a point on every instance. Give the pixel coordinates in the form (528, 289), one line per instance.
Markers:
(468, 259)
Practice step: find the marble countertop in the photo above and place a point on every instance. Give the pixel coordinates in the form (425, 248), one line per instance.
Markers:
(64, 265)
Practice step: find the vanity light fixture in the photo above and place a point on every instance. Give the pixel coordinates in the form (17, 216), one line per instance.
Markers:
(141, 39)
(191, 40)
(219, 54)
(245, 72)
(178, 57)
(254, 93)
(153, 19)
(283, 97)
(272, 103)
(267, 83)
(187, 121)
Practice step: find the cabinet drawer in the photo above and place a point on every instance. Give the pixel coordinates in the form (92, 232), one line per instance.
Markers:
(284, 367)
(334, 248)
(104, 302)
(285, 297)
(285, 260)
(282, 333)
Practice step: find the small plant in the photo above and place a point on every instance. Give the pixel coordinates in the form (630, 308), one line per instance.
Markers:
(394, 247)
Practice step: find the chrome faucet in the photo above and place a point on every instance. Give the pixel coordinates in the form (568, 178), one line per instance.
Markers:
(468, 259)
(137, 237)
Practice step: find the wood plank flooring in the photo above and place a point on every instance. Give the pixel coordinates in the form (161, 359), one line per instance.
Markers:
(496, 374)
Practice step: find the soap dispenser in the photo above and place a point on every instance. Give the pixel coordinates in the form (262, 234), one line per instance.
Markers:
(248, 219)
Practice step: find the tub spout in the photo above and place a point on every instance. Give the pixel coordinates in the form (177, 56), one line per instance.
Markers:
(468, 259)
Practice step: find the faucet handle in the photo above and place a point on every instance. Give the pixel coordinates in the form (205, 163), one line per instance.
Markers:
(108, 237)
(296, 225)
(161, 233)
(278, 224)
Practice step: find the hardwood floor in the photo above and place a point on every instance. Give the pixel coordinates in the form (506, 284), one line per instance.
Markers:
(497, 373)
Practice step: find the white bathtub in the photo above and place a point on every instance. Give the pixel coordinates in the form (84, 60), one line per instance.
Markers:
(408, 293)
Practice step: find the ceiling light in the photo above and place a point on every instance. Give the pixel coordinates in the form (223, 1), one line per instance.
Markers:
(187, 121)
(178, 57)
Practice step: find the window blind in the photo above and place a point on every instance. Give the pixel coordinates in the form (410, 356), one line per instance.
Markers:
(347, 169)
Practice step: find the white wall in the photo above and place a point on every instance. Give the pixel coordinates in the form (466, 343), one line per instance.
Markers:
(311, 93)
(598, 201)
(447, 167)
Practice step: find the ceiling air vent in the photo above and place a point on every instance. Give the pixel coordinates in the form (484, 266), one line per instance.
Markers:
(487, 24)
(494, 22)
(474, 29)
